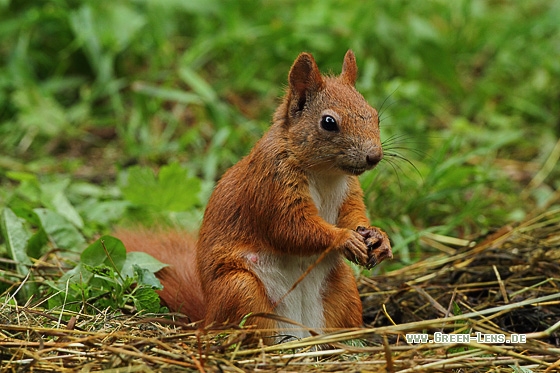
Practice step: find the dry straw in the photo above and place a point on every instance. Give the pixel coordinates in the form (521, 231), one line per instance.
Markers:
(506, 283)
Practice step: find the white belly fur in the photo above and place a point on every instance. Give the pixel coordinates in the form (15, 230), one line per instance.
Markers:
(279, 272)
(305, 303)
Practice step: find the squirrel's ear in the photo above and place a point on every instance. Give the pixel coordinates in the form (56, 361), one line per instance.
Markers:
(305, 76)
(349, 68)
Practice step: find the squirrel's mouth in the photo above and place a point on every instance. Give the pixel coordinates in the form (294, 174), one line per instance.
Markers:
(356, 171)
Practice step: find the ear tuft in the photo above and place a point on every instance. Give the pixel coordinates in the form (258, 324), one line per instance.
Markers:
(349, 68)
(305, 77)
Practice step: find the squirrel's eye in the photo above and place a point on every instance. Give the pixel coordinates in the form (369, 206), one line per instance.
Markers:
(328, 123)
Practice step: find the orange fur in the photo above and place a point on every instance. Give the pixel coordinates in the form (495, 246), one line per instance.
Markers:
(342, 286)
(294, 197)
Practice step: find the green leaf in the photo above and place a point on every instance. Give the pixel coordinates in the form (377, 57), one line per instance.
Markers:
(169, 94)
(65, 208)
(198, 84)
(106, 250)
(147, 300)
(456, 309)
(103, 212)
(173, 190)
(16, 240)
(113, 27)
(29, 187)
(21, 176)
(141, 260)
(77, 275)
(53, 196)
(59, 230)
(39, 112)
(36, 243)
(146, 277)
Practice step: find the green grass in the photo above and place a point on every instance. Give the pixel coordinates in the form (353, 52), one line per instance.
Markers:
(468, 93)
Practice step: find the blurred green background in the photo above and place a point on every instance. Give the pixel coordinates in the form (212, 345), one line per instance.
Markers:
(96, 96)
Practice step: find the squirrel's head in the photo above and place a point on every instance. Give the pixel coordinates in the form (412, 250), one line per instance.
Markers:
(328, 121)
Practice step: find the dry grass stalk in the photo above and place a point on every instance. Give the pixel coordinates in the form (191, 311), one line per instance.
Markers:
(507, 283)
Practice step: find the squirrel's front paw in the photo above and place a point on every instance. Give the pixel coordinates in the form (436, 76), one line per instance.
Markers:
(379, 246)
(355, 249)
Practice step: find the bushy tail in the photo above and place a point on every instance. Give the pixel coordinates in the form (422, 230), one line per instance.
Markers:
(181, 286)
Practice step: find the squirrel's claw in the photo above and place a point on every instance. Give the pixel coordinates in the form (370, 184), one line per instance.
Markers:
(355, 250)
(379, 246)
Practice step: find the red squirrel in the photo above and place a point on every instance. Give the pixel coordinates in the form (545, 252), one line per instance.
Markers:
(293, 203)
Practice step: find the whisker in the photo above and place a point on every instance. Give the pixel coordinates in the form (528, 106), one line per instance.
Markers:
(382, 119)
(398, 156)
(396, 169)
(407, 143)
(416, 152)
(401, 138)
(384, 101)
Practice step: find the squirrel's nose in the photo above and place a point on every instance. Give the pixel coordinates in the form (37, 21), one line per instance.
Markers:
(374, 157)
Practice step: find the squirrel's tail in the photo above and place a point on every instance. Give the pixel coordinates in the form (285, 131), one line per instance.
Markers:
(181, 286)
